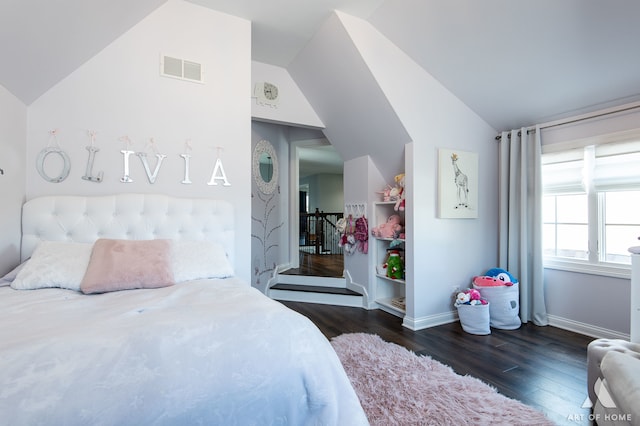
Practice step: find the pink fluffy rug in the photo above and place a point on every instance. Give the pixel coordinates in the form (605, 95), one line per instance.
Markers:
(398, 387)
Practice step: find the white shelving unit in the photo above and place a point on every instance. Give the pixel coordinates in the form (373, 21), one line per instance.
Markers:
(387, 290)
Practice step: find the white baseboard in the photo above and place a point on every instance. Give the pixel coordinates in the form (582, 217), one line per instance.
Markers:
(586, 329)
(416, 324)
(358, 288)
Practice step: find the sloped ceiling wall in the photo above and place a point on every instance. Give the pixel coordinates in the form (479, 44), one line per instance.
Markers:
(518, 63)
(47, 41)
(358, 117)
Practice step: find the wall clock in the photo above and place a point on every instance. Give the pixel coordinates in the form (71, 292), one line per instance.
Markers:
(270, 91)
(267, 94)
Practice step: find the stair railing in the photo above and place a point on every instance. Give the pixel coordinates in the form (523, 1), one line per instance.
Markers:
(318, 233)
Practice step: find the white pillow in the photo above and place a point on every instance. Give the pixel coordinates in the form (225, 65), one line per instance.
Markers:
(194, 260)
(54, 264)
(11, 275)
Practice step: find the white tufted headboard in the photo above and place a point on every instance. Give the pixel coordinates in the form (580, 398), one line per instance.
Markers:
(126, 216)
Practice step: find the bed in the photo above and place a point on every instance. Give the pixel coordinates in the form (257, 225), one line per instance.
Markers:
(206, 348)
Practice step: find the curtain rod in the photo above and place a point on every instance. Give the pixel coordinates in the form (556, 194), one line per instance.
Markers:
(577, 119)
(529, 131)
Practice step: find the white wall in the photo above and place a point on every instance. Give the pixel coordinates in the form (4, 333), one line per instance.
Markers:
(292, 108)
(270, 212)
(345, 93)
(326, 192)
(589, 304)
(13, 136)
(291, 120)
(362, 173)
(119, 92)
(442, 253)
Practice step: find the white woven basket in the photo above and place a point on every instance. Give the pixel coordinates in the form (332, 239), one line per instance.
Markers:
(505, 305)
(474, 318)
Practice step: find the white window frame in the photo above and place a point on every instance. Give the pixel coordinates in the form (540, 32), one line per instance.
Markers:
(593, 265)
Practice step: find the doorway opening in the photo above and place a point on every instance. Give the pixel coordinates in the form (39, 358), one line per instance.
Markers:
(318, 185)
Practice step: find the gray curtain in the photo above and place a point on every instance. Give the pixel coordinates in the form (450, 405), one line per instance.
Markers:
(520, 239)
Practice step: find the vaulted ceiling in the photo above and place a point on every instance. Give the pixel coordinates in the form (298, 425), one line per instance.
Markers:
(515, 63)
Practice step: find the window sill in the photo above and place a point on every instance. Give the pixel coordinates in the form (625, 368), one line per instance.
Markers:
(603, 269)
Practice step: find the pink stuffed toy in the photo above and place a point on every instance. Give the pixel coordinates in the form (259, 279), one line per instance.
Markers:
(386, 193)
(390, 229)
(475, 297)
(470, 297)
(487, 281)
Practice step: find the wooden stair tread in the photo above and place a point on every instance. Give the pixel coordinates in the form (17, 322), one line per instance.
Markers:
(315, 289)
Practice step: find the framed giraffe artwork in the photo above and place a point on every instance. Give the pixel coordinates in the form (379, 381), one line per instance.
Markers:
(457, 184)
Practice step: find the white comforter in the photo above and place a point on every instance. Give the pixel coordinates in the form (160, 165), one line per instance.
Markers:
(203, 352)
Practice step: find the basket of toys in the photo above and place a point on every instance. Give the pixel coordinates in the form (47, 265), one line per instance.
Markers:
(500, 289)
(473, 312)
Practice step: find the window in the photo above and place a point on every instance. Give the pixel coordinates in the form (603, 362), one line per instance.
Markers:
(621, 220)
(565, 226)
(590, 205)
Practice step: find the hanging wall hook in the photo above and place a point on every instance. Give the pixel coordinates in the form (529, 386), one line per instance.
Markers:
(355, 209)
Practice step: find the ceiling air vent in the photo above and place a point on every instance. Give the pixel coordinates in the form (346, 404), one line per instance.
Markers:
(180, 68)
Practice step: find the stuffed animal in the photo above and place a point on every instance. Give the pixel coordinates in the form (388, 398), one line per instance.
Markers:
(395, 265)
(502, 275)
(495, 277)
(386, 193)
(348, 243)
(390, 229)
(470, 297)
(400, 191)
(462, 298)
(474, 294)
(362, 234)
(475, 297)
(394, 194)
(486, 281)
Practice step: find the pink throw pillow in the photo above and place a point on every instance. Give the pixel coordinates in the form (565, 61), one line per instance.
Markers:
(128, 264)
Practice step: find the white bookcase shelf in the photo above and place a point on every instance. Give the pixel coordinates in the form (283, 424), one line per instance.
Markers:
(388, 305)
(395, 280)
(390, 293)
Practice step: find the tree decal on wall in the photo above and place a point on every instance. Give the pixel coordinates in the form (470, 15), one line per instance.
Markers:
(264, 232)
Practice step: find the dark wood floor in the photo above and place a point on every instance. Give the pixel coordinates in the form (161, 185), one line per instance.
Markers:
(319, 265)
(544, 367)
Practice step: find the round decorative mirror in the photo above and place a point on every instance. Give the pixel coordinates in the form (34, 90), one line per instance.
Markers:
(265, 167)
